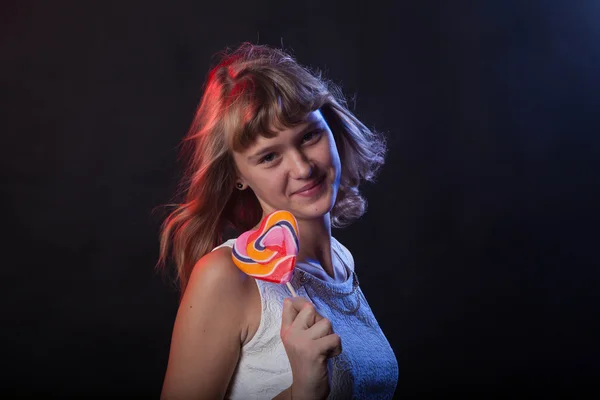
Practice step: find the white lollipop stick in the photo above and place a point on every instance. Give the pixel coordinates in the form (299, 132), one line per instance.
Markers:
(291, 288)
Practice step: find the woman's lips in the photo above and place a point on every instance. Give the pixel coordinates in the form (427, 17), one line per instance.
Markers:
(313, 189)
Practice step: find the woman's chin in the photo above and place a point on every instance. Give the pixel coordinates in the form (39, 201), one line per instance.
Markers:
(314, 210)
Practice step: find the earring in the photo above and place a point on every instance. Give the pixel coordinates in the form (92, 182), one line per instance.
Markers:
(239, 186)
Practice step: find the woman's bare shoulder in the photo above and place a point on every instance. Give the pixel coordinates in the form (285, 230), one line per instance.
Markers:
(215, 273)
(209, 329)
(217, 283)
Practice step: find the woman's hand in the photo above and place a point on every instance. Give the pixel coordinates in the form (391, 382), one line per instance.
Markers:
(309, 341)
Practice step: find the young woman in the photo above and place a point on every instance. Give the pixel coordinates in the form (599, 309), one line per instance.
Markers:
(271, 135)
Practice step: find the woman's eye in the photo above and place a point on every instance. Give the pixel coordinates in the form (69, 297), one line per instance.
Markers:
(268, 158)
(309, 136)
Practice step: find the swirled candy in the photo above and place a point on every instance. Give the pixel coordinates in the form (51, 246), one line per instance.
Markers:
(269, 252)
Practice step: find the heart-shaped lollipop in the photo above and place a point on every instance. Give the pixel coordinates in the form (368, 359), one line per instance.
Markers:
(269, 252)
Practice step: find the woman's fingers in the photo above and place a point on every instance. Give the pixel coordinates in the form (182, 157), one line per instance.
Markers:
(318, 317)
(292, 307)
(306, 318)
(331, 345)
(289, 313)
(300, 316)
(299, 313)
(320, 329)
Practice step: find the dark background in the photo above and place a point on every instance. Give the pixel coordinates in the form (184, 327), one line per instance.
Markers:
(479, 251)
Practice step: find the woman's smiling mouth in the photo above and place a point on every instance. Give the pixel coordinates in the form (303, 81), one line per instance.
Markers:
(312, 188)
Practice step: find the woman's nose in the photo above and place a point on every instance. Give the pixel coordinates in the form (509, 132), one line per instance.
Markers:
(301, 167)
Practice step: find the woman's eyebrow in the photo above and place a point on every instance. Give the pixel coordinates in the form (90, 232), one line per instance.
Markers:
(265, 150)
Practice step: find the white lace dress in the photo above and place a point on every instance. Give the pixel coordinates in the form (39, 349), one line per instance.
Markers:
(366, 368)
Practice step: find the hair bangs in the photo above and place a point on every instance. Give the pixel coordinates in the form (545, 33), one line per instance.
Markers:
(264, 105)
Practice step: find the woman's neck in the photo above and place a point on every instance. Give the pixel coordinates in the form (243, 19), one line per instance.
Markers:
(315, 243)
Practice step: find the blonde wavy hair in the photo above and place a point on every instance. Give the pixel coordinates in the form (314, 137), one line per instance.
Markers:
(253, 89)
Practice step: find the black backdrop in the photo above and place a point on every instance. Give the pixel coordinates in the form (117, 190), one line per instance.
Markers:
(478, 253)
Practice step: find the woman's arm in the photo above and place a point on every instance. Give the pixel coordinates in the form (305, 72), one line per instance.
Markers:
(205, 345)
(285, 395)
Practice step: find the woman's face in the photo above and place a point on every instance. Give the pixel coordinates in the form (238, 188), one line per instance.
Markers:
(277, 169)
